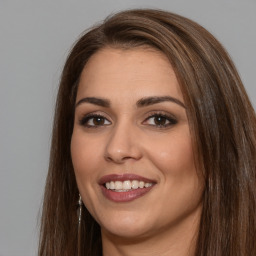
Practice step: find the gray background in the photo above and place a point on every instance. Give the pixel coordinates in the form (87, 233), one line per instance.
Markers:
(35, 39)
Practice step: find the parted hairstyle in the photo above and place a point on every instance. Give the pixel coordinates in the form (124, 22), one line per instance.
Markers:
(222, 124)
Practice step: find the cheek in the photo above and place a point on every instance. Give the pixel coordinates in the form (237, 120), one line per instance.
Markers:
(173, 156)
(85, 156)
(181, 188)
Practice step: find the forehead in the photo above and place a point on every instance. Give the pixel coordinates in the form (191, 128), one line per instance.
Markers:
(139, 71)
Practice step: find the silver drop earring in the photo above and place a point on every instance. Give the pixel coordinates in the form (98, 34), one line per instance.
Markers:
(80, 205)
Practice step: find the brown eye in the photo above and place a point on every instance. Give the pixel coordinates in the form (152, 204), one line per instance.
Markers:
(94, 121)
(98, 121)
(160, 121)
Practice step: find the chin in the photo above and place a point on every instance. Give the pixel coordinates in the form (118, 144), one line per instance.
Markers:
(128, 226)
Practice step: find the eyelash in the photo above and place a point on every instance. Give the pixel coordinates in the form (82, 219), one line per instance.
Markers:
(84, 121)
(171, 120)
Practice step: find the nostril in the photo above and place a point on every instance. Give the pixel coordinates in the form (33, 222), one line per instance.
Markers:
(121, 149)
(116, 159)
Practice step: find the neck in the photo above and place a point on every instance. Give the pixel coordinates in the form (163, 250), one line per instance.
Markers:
(177, 240)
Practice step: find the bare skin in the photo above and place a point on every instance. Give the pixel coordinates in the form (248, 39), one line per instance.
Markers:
(130, 118)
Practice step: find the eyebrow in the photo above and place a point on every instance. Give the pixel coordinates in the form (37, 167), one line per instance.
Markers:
(158, 99)
(96, 101)
(147, 101)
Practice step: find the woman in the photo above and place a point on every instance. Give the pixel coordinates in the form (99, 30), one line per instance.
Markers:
(153, 128)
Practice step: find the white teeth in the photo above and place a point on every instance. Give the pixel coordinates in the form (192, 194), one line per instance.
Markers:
(148, 185)
(112, 185)
(135, 184)
(141, 184)
(118, 185)
(126, 185)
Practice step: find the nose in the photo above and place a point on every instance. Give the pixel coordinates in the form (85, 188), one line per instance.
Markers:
(122, 145)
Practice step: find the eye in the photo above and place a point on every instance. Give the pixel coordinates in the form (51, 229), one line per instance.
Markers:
(94, 121)
(160, 120)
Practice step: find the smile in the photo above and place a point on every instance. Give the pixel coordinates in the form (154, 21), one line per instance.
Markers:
(126, 187)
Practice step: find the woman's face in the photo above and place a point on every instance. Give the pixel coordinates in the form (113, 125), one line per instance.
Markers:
(131, 145)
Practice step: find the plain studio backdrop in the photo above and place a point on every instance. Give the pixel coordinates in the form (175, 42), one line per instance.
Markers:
(35, 39)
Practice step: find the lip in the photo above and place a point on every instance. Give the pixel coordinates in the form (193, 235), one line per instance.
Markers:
(124, 196)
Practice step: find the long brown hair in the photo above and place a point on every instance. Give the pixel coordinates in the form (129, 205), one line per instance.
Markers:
(222, 123)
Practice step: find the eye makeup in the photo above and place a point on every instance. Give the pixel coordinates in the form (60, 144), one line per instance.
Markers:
(155, 119)
(94, 120)
(160, 120)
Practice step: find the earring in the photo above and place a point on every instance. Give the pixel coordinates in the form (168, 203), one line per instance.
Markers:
(80, 204)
